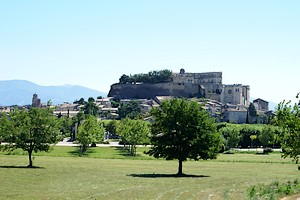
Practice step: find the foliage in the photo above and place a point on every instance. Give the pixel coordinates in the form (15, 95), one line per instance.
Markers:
(267, 135)
(90, 131)
(90, 107)
(131, 110)
(288, 117)
(133, 133)
(76, 121)
(160, 76)
(34, 130)
(231, 136)
(273, 190)
(262, 135)
(80, 101)
(252, 110)
(111, 127)
(115, 103)
(183, 130)
(66, 125)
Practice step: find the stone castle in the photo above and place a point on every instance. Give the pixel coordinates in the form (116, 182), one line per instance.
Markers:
(207, 85)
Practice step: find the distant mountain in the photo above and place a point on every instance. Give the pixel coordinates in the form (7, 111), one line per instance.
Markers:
(19, 92)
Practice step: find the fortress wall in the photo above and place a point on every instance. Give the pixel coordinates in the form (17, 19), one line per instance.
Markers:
(213, 96)
(209, 77)
(147, 91)
(187, 85)
(212, 81)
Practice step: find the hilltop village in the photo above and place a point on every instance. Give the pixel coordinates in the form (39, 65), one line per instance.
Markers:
(227, 103)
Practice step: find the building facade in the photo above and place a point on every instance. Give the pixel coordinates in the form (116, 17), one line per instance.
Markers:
(36, 102)
(207, 85)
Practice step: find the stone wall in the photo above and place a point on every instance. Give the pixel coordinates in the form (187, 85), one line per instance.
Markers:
(236, 116)
(147, 91)
(212, 81)
(208, 85)
(236, 94)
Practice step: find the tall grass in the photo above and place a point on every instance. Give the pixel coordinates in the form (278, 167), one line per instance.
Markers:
(274, 190)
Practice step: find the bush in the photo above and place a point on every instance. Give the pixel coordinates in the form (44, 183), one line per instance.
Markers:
(93, 144)
(273, 190)
(267, 150)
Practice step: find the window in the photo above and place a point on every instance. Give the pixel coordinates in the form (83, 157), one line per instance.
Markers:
(229, 91)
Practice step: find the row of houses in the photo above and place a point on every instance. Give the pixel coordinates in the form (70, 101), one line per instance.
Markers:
(222, 112)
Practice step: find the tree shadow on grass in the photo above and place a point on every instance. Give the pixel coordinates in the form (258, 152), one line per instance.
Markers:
(20, 167)
(77, 152)
(123, 151)
(167, 176)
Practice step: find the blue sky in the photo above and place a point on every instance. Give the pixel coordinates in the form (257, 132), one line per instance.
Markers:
(92, 43)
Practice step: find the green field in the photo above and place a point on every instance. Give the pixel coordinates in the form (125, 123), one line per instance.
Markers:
(62, 174)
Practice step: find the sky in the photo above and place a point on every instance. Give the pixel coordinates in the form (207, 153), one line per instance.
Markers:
(92, 43)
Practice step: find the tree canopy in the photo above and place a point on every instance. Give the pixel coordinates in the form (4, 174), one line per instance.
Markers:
(183, 130)
(160, 76)
(288, 117)
(90, 107)
(131, 110)
(133, 133)
(90, 131)
(34, 130)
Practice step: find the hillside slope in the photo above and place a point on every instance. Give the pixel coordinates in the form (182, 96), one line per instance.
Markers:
(19, 92)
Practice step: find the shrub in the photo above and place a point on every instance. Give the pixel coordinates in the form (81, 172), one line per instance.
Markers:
(267, 150)
(93, 144)
(273, 190)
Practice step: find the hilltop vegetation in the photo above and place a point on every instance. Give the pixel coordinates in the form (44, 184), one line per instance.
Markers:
(160, 76)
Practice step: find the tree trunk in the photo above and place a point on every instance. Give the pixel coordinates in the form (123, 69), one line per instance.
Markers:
(179, 173)
(30, 159)
(133, 150)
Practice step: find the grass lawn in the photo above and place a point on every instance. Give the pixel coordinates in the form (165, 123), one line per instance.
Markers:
(64, 175)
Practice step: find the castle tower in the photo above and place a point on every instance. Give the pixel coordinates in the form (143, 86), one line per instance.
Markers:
(246, 95)
(36, 102)
(236, 94)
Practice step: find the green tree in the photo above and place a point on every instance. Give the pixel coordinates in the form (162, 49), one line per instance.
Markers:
(125, 79)
(66, 125)
(183, 130)
(90, 131)
(131, 110)
(80, 101)
(90, 107)
(34, 130)
(246, 130)
(288, 118)
(111, 127)
(253, 137)
(133, 133)
(252, 110)
(115, 103)
(267, 135)
(231, 135)
(76, 121)
(160, 76)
